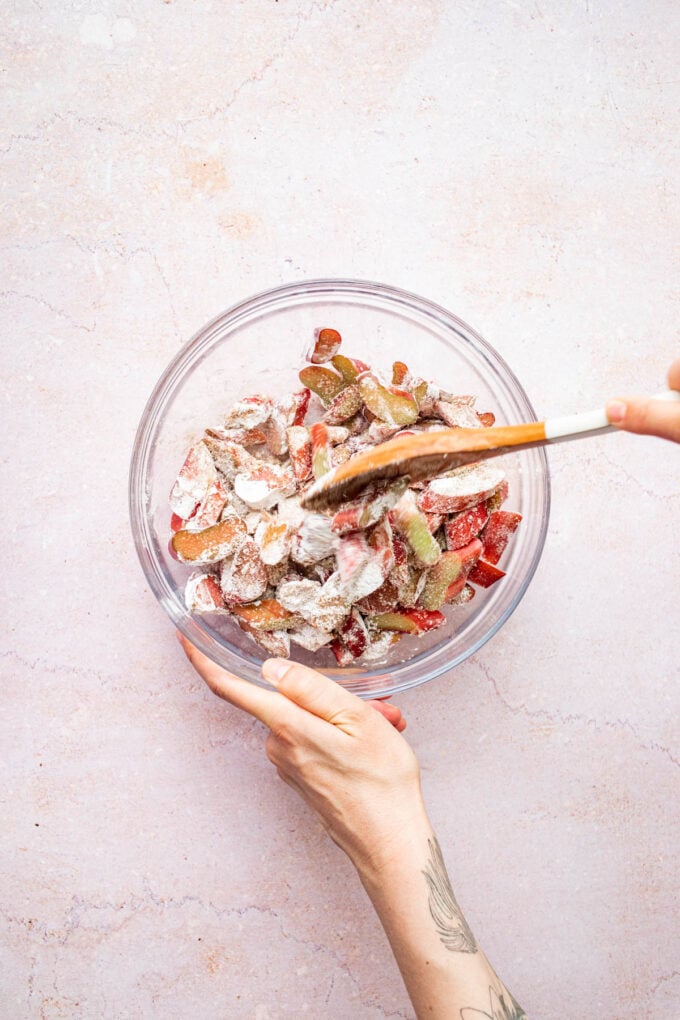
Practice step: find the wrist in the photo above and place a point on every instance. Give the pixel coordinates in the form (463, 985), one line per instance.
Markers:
(387, 853)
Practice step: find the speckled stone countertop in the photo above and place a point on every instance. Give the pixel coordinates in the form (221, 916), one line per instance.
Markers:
(517, 163)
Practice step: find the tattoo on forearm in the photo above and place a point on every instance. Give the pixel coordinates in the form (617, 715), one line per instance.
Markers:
(502, 1006)
(452, 927)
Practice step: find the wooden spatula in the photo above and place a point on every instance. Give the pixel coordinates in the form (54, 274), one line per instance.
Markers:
(427, 454)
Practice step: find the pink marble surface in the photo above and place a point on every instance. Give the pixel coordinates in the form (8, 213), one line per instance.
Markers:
(516, 162)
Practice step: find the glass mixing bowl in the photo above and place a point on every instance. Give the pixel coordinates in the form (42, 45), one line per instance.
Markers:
(258, 346)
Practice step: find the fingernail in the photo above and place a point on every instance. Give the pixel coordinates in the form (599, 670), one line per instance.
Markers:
(274, 670)
(180, 637)
(616, 411)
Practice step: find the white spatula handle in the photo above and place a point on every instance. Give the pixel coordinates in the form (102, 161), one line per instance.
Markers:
(589, 422)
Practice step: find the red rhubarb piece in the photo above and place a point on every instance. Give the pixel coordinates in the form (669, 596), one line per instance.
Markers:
(244, 578)
(485, 574)
(353, 634)
(425, 619)
(400, 373)
(202, 594)
(466, 525)
(197, 475)
(321, 449)
(326, 345)
(502, 524)
(461, 489)
(248, 413)
(209, 509)
(177, 523)
(300, 451)
(341, 652)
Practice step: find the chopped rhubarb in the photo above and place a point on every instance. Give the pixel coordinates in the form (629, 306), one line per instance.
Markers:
(248, 413)
(203, 594)
(314, 540)
(374, 503)
(408, 519)
(321, 449)
(456, 414)
(273, 539)
(502, 524)
(456, 596)
(344, 406)
(349, 368)
(263, 485)
(268, 614)
(209, 510)
(410, 621)
(439, 578)
(497, 498)
(197, 475)
(244, 578)
(485, 574)
(461, 489)
(323, 381)
(383, 600)
(393, 406)
(212, 544)
(356, 579)
(176, 523)
(342, 653)
(466, 525)
(326, 345)
(400, 621)
(274, 642)
(435, 521)
(353, 634)
(300, 452)
(400, 373)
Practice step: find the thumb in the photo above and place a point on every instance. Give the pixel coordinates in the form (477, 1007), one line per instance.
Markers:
(646, 416)
(312, 691)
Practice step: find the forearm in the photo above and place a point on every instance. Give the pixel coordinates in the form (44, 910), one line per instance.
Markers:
(443, 969)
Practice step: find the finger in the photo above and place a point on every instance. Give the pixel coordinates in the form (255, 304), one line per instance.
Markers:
(264, 705)
(391, 712)
(646, 416)
(674, 375)
(312, 691)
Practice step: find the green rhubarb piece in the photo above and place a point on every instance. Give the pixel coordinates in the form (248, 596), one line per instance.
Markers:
(322, 381)
(347, 367)
(439, 578)
(394, 621)
(413, 525)
(394, 408)
(344, 406)
(420, 391)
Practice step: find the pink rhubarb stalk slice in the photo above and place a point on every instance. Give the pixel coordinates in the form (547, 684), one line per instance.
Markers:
(326, 345)
(466, 525)
(461, 489)
(502, 524)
